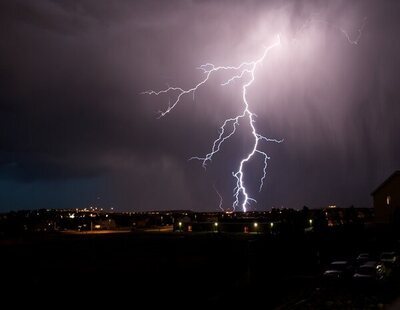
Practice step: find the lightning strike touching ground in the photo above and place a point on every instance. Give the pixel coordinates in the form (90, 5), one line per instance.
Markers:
(221, 201)
(243, 71)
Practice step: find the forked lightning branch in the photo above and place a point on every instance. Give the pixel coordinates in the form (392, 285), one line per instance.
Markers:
(246, 74)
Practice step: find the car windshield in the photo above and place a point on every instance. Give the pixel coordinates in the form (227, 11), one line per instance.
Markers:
(387, 256)
(338, 266)
(366, 270)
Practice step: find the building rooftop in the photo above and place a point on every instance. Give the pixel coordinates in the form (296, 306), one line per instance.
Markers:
(389, 179)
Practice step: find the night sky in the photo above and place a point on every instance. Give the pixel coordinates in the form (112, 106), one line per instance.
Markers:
(75, 130)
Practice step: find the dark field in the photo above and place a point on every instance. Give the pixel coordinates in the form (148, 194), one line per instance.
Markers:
(199, 269)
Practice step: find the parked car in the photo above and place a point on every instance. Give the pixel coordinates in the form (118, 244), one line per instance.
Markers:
(338, 270)
(370, 272)
(362, 258)
(390, 258)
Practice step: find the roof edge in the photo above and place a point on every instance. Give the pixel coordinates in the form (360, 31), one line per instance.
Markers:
(394, 174)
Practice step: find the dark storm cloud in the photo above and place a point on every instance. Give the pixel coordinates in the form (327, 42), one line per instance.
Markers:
(71, 74)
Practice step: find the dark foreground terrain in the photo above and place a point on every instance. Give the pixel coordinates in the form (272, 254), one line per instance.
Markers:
(192, 269)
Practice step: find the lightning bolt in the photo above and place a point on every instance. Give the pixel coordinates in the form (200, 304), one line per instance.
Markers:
(245, 70)
(359, 33)
(221, 201)
(345, 33)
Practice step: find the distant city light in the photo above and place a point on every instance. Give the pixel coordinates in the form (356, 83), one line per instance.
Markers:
(310, 221)
(255, 225)
(271, 224)
(216, 224)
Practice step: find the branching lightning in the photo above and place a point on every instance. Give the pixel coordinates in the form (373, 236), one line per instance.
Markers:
(359, 33)
(345, 33)
(246, 73)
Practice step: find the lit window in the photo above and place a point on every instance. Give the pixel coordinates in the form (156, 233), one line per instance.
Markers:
(388, 198)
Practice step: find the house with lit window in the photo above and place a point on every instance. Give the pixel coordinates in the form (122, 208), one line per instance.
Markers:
(387, 200)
